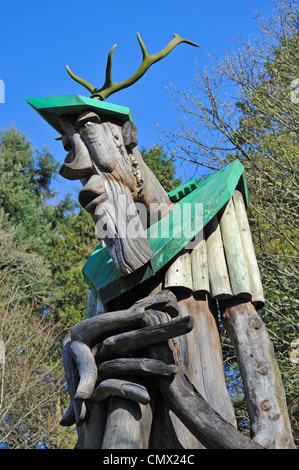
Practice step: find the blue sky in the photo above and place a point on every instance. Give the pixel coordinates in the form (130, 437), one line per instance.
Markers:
(39, 38)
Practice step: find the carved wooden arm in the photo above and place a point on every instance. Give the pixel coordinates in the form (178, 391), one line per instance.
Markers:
(96, 382)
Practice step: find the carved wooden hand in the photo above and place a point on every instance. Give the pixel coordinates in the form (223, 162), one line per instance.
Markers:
(95, 353)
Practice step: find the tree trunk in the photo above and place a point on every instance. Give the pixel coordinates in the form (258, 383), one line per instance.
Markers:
(263, 387)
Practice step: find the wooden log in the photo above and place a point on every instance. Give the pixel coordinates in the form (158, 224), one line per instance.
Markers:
(263, 387)
(134, 366)
(124, 343)
(86, 116)
(93, 306)
(128, 425)
(152, 194)
(179, 274)
(76, 411)
(119, 226)
(237, 266)
(200, 269)
(93, 428)
(220, 287)
(258, 299)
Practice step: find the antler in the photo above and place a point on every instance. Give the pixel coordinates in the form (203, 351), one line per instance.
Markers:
(109, 87)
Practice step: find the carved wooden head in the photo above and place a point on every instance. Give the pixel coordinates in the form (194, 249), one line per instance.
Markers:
(119, 190)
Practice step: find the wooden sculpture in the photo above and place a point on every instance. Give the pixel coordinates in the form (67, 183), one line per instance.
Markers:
(144, 368)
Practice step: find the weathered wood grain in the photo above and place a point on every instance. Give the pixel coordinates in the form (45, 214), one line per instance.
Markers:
(116, 218)
(129, 131)
(163, 300)
(121, 388)
(90, 330)
(201, 353)
(134, 366)
(128, 425)
(212, 430)
(235, 258)
(200, 269)
(124, 343)
(220, 287)
(179, 274)
(254, 273)
(263, 387)
(76, 411)
(87, 369)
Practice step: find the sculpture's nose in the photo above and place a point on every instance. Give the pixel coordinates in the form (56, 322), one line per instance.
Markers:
(77, 163)
(93, 193)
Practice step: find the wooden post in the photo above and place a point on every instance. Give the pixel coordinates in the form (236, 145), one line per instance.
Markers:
(263, 387)
(179, 274)
(237, 267)
(200, 268)
(128, 425)
(249, 252)
(218, 274)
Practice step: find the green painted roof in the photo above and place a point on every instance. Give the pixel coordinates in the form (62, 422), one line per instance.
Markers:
(171, 234)
(51, 108)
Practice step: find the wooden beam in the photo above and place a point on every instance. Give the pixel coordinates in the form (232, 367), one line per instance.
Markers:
(218, 273)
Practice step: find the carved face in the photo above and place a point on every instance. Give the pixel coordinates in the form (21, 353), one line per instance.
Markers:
(104, 156)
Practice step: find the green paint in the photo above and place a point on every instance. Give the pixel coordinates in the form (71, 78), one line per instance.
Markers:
(51, 108)
(178, 193)
(170, 235)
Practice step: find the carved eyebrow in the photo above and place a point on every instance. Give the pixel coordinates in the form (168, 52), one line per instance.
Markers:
(147, 60)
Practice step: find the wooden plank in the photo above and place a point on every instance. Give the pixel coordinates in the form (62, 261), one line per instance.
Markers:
(199, 267)
(179, 274)
(235, 259)
(116, 217)
(218, 273)
(258, 299)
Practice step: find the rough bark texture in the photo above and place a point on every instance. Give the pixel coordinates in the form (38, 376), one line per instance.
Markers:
(263, 386)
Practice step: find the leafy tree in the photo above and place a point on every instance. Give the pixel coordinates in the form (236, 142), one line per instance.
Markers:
(243, 107)
(31, 370)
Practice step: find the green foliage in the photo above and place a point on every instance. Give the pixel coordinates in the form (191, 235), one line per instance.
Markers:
(42, 251)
